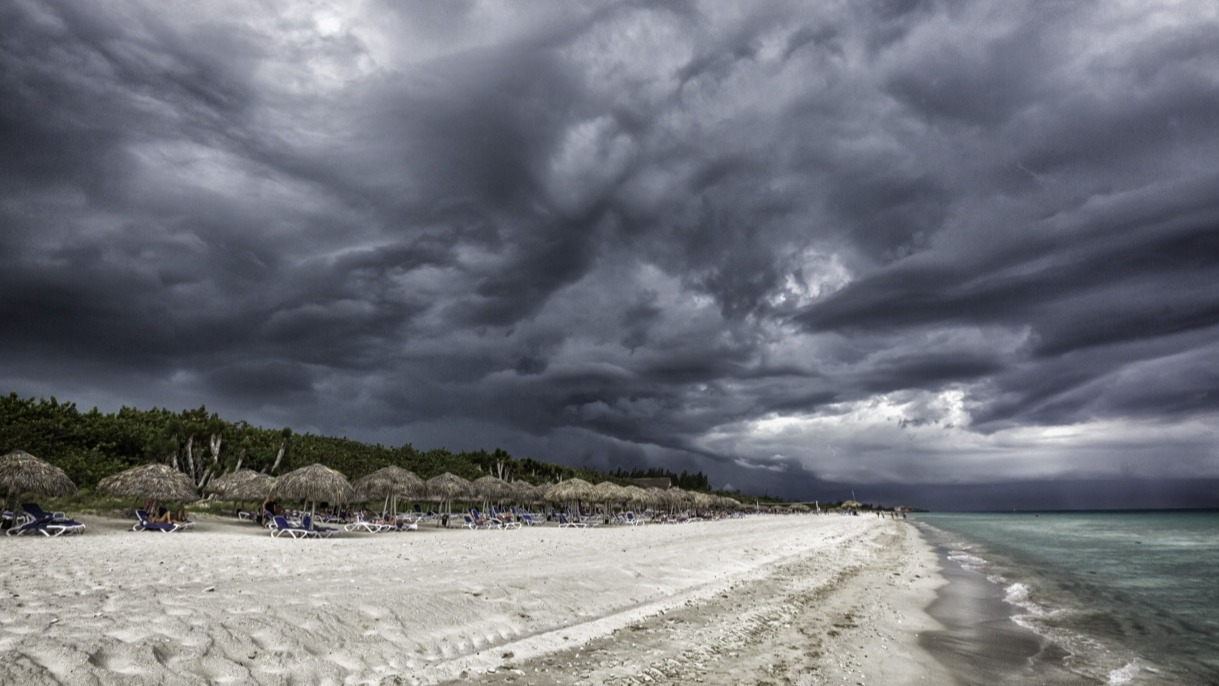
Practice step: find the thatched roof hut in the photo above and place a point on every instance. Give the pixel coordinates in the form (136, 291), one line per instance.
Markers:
(658, 497)
(316, 483)
(156, 481)
(492, 488)
(243, 484)
(609, 492)
(525, 492)
(449, 486)
(21, 472)
(635, 494)
(702, 501)
(570, 490)
(389, 481)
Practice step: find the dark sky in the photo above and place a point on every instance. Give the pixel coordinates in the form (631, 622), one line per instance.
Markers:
(896, 247)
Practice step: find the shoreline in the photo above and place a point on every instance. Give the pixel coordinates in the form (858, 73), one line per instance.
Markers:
(981, 642)
(799, 599)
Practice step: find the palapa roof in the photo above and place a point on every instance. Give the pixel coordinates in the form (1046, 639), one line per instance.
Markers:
(524, 491)
(658, 497)
(21, 472)
(156, 481)
(608, 491)
(243, 484)
(636, 494)
(448, 486)
(316, 482)
(387, 481)
(492, 487)
(571, 489)
(679, 496)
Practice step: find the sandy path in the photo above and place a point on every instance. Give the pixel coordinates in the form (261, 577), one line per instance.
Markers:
(228, 604)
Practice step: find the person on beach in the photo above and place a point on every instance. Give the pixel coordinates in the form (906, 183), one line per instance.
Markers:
(165, 516)
(269, 510)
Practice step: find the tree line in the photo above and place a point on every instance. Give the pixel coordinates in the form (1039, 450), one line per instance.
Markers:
(685, 480)
(90, 445)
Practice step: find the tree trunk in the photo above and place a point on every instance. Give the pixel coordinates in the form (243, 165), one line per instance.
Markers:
(282, 447)
(190, 458)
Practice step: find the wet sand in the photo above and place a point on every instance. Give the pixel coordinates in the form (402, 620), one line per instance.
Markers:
(980, 643)
(765, 599)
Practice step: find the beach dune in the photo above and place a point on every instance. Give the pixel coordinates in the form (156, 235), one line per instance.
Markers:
(786, 599)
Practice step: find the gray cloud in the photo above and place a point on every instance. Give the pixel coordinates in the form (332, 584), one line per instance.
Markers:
(797, 248)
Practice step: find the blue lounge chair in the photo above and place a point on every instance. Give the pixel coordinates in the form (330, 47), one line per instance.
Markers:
(323, 531)
(281, 526)
(29, 525)
(565, 523)
(146, 524)
(51, 523)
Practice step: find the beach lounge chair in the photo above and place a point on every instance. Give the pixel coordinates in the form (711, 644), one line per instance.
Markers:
(281, 526)
(29, 526)
(146, 524)
(36, 511)
(469, 522)
(53, 523)
(323, 531)
(632, 519)
(565, 523)
(368, 526)
(45, 525)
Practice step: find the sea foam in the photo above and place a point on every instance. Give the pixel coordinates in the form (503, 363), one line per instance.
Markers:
(1123, 675)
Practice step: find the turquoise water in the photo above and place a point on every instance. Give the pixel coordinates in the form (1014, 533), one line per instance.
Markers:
(1133, 597)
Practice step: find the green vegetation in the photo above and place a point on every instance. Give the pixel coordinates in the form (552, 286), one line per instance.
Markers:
(91, 445)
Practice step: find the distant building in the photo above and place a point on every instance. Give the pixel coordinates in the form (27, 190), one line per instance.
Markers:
(661, 482)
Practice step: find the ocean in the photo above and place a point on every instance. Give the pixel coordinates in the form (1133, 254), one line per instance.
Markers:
(1119, 598)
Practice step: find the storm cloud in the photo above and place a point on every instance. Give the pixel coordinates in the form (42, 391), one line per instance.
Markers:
(900, 246)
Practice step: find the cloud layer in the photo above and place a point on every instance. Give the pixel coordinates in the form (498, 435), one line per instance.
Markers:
(877, 243)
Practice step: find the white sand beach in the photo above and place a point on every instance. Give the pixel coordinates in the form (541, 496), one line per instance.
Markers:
(765, 599)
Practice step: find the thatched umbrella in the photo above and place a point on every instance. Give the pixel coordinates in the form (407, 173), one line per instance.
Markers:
(657, 497)
(678, 498)
(570, 491)
(702, 501)
(21, 472)
(243, 484)
(150, 482)
(313, 483)
(389, 482)
(446, 487)
(525, 492)
(491, 488)
(635, 494)
(609, 492)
